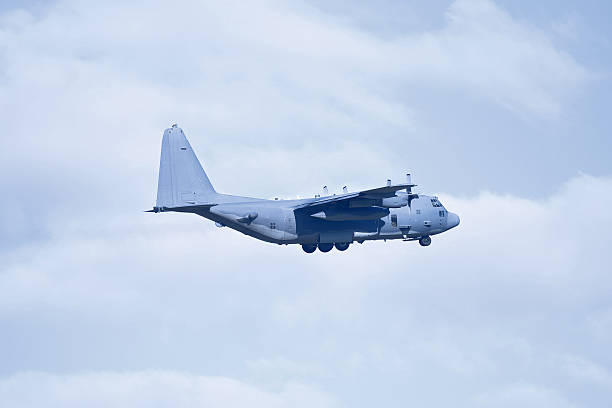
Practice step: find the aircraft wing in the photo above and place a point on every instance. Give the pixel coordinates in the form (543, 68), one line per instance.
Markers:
(363, 198)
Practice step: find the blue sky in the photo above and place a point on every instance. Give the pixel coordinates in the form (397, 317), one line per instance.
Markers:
(500, 108)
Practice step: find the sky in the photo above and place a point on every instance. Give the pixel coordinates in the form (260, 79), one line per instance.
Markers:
(499, 108)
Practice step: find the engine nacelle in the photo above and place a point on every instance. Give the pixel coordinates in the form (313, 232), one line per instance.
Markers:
(352, 214)
(395, 201)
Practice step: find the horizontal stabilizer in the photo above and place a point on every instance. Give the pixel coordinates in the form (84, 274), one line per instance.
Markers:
(188, 208)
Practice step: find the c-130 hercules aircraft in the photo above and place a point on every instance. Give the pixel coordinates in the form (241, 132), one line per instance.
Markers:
(320, 222)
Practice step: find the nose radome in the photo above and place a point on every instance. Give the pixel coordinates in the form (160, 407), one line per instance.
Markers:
(453, 220)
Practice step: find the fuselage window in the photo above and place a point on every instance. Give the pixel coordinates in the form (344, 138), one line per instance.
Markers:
(418, 212)
(272, 225)
(394, 220)
(441, 213)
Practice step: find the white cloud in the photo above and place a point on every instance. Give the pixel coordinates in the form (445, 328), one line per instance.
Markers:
(586, 370)
(483, 303)
(523, 395)
(297, 99)
(233, 68)
(86, 90)
(484, 50)
(148, 389)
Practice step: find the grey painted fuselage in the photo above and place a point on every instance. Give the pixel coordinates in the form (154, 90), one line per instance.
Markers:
(391, 212)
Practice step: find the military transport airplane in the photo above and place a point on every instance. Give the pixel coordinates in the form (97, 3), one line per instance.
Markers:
(321, 222)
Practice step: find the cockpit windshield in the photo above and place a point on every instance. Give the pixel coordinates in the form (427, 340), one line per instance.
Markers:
(435, 202)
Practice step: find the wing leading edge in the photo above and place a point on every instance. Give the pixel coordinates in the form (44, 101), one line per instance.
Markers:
(361, 199)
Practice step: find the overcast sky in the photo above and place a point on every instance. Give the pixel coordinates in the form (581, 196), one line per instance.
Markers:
(500, 108)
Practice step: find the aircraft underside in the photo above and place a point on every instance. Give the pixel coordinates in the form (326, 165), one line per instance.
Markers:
(319, 234)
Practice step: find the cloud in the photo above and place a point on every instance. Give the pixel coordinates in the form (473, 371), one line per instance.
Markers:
(587, 371)
(489, 302)
(148, 388)
(523, 395)
(282, 98)
(484, 50)
(87, 89)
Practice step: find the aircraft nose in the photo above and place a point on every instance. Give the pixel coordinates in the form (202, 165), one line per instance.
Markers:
(452, 221)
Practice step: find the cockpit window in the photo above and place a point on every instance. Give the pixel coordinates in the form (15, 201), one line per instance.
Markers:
(435, 202)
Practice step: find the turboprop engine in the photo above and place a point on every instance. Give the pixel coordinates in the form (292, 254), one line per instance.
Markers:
(351, 214)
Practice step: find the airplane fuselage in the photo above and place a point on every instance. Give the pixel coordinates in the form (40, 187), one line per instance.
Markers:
(389, 212)
(277, 221)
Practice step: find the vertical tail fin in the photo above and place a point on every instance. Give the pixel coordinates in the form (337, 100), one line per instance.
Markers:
(182, 180)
